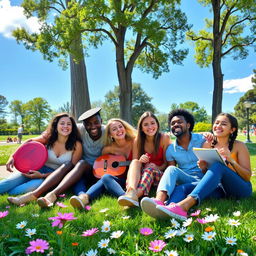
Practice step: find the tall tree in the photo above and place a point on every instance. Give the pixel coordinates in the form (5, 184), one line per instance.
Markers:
(3, 104)
(53, 42)
(141, 102)
(37, 112)
(231, 30)
(145, 33)
(17, 110)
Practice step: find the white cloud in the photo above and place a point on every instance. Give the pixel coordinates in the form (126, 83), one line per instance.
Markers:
(12, 17)
(238, 85)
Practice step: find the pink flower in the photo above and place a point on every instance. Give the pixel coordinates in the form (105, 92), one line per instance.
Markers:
(90, 232)
(201, 221)
(3, 214)
(146, 231)
(196, 213)
(87, 207)
(61, 219)
(61, 205)
(37, 245)
(157, 245)
(62, 195)
(7, 206)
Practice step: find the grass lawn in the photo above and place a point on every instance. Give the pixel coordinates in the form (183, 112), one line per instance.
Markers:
(67, 241)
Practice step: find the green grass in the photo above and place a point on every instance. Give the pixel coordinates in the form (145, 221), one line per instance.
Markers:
(14, 242)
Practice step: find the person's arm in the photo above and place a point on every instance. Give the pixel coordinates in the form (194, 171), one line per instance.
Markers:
(135, 153)
(106, 150)
(77, 154)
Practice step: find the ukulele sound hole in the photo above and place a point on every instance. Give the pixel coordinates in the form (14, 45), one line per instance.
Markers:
(115, 164)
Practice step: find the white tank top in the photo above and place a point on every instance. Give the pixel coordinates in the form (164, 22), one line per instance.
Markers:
(54, 162)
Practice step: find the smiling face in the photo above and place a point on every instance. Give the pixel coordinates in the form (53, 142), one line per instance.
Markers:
(222, 126)
(117, 130)
(179, 126)
(64, 126)
(93, 126)
(149, 126)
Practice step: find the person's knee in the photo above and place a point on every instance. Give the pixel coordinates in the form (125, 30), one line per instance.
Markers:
(171, 170)
(216, 166)
(106, 178)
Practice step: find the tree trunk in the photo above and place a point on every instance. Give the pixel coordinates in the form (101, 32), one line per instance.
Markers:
(80, 98)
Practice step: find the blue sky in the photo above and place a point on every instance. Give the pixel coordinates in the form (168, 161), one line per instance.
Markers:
(24, 74)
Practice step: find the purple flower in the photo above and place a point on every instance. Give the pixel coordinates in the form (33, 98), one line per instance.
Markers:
(61, 219)
(202, 221)
(156, 245)
(90, 232)
(37, 245)
(61, 205)
(3, 214)
(146, 231)
(196, 213)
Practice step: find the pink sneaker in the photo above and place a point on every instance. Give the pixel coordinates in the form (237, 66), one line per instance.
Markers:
(149, 206)
(173, 210)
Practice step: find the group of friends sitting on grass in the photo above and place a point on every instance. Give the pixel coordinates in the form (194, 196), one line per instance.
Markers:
(151, 157)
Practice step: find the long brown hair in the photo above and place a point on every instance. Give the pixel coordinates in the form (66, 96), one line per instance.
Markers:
(141, 137)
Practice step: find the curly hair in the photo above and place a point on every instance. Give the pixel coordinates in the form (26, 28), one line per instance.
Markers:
(186, 114)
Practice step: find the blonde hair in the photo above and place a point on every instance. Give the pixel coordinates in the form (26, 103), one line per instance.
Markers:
(130, 131)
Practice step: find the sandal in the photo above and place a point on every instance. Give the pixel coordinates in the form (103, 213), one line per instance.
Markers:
(47, 201)
(18, 200)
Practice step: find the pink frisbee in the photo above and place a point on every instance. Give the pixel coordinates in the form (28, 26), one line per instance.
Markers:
(30, 156)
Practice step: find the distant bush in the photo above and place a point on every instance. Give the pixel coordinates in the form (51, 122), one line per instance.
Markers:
(11, 132)
(202, 127)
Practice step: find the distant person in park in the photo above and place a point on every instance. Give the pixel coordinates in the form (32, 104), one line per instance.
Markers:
(181, 160)
(64, 144)
(59, 181)
(118, 140)
(234, 176)
(149, 160)
(20, 133)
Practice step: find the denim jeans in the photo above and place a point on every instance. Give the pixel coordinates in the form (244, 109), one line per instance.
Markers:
(17, 183)
(175, 176)
(233, 184)
(108, 183)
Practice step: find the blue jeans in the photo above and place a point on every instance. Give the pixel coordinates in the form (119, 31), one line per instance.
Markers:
(108, 183)
(175, 176)
(17, 183)
(233, 184)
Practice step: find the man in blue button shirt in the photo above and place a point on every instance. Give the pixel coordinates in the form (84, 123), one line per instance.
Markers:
(182, 163)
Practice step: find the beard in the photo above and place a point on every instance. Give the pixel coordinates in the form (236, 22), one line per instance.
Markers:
(178, 132)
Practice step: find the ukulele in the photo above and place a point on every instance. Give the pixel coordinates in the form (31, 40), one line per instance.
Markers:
(110, 164)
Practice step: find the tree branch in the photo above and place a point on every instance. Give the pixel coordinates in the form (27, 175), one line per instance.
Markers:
(200, 38)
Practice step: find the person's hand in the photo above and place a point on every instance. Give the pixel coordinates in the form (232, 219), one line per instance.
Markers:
(144, 159)
(33, 175)
(9, 165)
(208, 136)
(151, 165)
(202, 165)
(225, 153)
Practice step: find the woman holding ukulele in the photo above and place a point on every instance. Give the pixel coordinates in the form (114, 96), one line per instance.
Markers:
(149, 161)
(234, 177)
(118, 140)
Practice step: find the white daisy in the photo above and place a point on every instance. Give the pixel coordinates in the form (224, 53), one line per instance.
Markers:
(92, 253)
(30, 232)
(208, 236)
(181, 231)
(103, 243)
(187, 222)
(171, 253)
(35, 215)
(171, 233)
(111, 251)
(211, 218)
(104, 210)
(21, 225)
(105, 228)
(237, 213)
(175, 223)
(116, 234)
(106, 223)
(188, 238)
(230, 240)
(126, 217)
(233, 222)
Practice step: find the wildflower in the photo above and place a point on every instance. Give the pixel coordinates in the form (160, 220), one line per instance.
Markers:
(116, 234)
(171, 233)
(208, 209)
(126, 217)
(175, 223)
(61, 205)
(208, 236)
(35, 215)
(30, 232)
(171, 253)
(230, 240)
(104, 210)
(38, 245)
(237, 213)
(87, 207)
(21, 225)
(106, 222)
(7, 206)
(208, 229)
(111, 251)
(105, 228)
(90, 232)
(92, 253)
(61, 219)
(196, 213)
(3, 214)
(202, 221)
(62, 195)
(181, 231)
(59, 232)
(103, 243)
(211, 218)
(188, 238)
(187, 222)
(156, 245)
(241, 252)
(74, 244)
(233, 222)
(146, 231)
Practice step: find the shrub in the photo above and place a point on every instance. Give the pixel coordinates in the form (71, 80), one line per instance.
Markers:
(202, 127)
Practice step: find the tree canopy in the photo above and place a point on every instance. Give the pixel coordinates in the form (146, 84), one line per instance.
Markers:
(3, 104)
